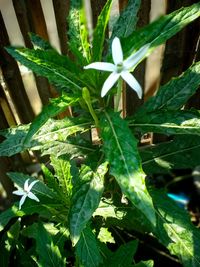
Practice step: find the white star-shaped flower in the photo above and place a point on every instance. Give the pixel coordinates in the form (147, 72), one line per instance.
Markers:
(120, 68)
(26, 192)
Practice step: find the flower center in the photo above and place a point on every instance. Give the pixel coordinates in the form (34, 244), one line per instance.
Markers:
(120, 67)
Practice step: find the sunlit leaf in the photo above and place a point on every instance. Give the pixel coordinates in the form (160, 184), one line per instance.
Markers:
(85, 200)
(87, 249)
(162, 29)
(120, 148)
(105, 236)
(175, 230)
(78, 34)
(168, 122)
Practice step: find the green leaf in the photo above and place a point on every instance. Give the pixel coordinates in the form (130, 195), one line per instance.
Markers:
(60, 131)
(123, 257)
(56, 130)
(56, 68)
(13, 235)
(175, 230)
(120, 148)
(180, 153)
(73, 148)
(61, 237)
(124, 216)
(99, 32)
(26, 258)
(126, 23)
(40, 43)
(62, 168)
(56, 106)
(106, 210)
(14, 142)
(161, 30)
(105, 236)
(52, 183)
(144, 264)
(87, 249)
(8, 243)
(78, 34)
(50, 179)
(49, 253)
(85, 200)
(169, 122)
(29, 207)
(175, 93)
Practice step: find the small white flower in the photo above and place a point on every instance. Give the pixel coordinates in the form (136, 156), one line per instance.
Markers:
(120, 68)
(26, 192)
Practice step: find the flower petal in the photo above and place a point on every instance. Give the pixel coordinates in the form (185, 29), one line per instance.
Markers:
(19, 192)
(26, 185)
(117, 53)
(108, 84)
(132, 82)
(31, 185)
(32, 196)
(132, 60)
(21, 202)
(101, 66)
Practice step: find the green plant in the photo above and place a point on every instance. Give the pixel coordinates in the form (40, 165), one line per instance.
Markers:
(93, 191)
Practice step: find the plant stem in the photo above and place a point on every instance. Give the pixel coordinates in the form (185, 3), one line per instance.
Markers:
(86, 97)
(118, 96)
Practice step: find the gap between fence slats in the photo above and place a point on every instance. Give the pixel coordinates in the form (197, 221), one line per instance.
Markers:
(13, 78)
(29, 22)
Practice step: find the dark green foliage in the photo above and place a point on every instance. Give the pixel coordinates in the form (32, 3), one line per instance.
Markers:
(100, 31)
(47, 251)
(175, 93)
(127, 20)
(93, 193)
(123, 256)
(180, 153)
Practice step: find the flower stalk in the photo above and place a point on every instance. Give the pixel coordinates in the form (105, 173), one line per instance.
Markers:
(87, 98)
(119, 94)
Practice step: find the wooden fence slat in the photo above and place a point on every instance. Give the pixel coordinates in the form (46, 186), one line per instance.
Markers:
(5, 165)
(178, 50)
(179, 54)
(21, 14)
(3, 121)
(13, 78)
(122, 4)
(61, 10)
(132, 101)
(6, 110)
(36, 18)
(27, 24)
(7, 184)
